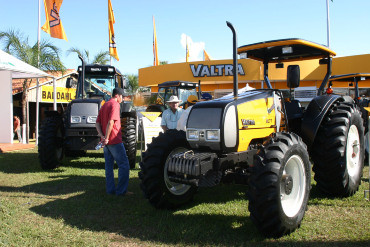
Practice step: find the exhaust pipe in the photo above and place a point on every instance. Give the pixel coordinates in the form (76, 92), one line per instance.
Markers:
(235, 60)
(82, 75)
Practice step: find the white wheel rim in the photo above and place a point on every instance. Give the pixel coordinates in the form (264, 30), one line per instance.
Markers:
(353, 151)
(175, 188)
(291, 202)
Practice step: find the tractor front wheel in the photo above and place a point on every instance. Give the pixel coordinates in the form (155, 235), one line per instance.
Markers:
(279, 185)
(157, 188)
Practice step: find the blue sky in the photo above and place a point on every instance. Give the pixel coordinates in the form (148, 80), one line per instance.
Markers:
(202, 21)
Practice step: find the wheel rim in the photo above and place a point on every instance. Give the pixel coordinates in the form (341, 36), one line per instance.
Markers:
(175, 188)
(292, 186)
(353, 151)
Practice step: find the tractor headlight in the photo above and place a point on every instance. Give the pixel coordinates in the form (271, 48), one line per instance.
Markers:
(212, 135)
(192, 134)
(75, 119)
(91, 119)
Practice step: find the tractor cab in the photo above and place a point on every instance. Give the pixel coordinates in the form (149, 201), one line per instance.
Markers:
(351, 84)
(99, 82)
(182, 89)
(351, 81)
(290, 50)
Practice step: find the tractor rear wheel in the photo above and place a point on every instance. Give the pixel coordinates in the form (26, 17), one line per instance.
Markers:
(50, 143)
(339, 150)
(129, 139)
(157, 188)
(279, 185)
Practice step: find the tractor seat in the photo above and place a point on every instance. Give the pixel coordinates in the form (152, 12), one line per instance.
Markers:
(294, 109)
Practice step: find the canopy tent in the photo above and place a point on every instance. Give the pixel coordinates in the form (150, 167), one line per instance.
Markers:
(13, 68)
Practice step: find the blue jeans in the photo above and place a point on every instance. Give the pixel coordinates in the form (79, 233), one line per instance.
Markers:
(116, 153)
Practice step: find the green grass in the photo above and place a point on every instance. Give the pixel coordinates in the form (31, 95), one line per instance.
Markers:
(69, 207)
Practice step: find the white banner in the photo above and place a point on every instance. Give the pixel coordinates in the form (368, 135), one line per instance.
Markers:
(151, 126)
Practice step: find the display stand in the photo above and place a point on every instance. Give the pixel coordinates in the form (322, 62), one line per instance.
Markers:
(151, 127)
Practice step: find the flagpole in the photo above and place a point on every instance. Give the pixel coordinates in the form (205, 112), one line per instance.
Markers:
(328, 22)
(110, 56)
(186, 50)
(37, 80)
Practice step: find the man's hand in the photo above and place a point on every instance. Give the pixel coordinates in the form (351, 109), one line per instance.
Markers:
(105, 141)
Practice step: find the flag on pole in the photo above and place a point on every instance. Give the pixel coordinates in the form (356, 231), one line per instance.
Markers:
(206, 57)
(155, 47)
(53, 24)
(112, 41)
(187, 50)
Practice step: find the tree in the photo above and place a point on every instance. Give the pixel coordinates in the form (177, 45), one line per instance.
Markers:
(49, 59)
(101, 57)
(132, 83)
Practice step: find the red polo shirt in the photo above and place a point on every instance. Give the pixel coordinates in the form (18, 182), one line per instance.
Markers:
(111, 111)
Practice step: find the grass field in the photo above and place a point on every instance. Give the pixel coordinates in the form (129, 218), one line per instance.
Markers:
(69, 207)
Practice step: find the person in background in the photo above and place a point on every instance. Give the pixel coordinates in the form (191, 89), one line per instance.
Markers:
(17, 128)
(171, 115)
(108, 125)
(206, 96)
(181, 124)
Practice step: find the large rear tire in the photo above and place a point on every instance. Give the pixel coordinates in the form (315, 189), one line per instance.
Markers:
(129, 139)
(157, 188)
(338, 151)
(279, 185)
(50, 143)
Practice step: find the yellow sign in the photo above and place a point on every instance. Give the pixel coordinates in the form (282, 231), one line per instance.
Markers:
(152, 116)
(64, 95)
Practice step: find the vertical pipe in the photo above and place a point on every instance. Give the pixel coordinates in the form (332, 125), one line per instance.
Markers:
(37, 111)
(82, 81)
(266, 74)
(357, 95)
(327, 76)
(235, 60)
(37, 82)
(328, 22)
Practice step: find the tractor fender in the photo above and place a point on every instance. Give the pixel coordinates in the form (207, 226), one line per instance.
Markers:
(315, 113)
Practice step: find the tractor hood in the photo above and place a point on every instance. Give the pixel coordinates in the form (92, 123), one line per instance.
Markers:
(215, 124)
(83, 112)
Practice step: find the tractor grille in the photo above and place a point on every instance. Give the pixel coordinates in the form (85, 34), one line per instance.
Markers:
(190, 163)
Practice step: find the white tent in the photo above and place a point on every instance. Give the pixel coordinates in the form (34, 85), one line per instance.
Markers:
(13, 68)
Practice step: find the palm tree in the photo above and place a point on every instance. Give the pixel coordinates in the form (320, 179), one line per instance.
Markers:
(45, 58)
(132, 83)
(101, 57)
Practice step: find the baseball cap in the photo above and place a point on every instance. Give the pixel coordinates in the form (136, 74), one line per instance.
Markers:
(119, 91)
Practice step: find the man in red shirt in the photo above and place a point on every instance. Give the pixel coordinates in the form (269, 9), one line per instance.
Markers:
(108, 125)
(17, 128)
